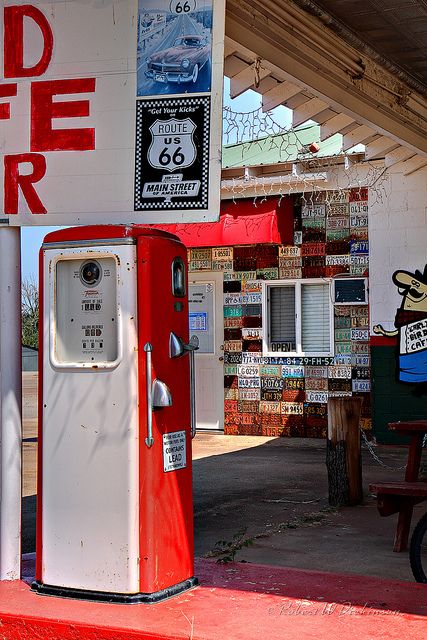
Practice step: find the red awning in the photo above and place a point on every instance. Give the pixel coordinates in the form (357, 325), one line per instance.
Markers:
(241, 222)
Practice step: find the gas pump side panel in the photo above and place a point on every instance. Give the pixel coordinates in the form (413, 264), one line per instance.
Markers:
(166, 503)
(89, 502)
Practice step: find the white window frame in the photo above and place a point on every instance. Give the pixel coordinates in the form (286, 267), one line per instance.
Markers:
(266, 351)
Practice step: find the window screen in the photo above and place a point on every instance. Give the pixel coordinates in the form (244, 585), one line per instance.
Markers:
(298, 317)
(315, 314)
(282, 316)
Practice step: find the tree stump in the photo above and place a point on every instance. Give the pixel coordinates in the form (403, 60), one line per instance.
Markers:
(343, 452)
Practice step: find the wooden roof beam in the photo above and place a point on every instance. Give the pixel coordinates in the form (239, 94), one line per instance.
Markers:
(298, 47)
(278, 95)
(335, 125)
(307, 110)
(412, 165)
(380, 147)
(398, 155)
(357, 136)
(247, 78)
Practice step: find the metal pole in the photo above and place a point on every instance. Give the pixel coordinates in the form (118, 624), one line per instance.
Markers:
(10, 403)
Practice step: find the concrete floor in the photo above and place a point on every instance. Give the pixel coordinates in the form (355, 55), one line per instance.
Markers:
(270, 493)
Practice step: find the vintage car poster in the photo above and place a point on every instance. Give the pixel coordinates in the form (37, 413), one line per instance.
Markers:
(174, 54)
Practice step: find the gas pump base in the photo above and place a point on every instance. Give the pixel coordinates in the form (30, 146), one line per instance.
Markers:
(233, 601)
(118, 598)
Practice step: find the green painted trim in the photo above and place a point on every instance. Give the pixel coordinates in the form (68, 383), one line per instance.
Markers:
(391, 400)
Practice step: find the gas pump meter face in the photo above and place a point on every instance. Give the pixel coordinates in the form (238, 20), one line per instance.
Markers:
(86, 318)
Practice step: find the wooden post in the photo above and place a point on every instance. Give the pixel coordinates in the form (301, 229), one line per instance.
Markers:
(343, 453)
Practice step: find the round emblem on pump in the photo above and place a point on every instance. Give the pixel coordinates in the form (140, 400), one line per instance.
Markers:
(90, 273)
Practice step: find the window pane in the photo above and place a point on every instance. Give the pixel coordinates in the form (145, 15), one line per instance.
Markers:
(282, 318)
(315, 311)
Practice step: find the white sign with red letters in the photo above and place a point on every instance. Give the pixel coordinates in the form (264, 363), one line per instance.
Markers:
(68, 113)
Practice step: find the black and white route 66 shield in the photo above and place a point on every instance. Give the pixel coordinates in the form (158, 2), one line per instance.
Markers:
(172, 145)
(172, 153)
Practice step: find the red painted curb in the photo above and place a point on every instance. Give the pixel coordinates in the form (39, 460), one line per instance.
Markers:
(236, 602)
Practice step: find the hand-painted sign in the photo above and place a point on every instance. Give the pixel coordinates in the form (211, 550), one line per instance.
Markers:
(123, 56)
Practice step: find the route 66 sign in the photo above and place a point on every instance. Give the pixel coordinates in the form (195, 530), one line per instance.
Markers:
(172, 153)
(172, 146)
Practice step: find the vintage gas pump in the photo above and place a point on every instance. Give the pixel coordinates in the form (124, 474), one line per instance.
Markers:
(115, 511)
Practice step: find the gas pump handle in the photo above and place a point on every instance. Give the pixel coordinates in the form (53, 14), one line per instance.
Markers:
(149, 440)
(178, 348)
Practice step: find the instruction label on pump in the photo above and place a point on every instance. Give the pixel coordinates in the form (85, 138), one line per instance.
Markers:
(174, 451)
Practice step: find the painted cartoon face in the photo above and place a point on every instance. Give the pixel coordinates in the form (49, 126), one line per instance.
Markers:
(413, 290)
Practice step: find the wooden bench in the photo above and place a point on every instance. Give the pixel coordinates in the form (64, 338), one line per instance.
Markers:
(399, 497)
(393, 497)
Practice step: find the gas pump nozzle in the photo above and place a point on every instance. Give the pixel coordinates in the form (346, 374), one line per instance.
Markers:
(178, 348)
(158, 395)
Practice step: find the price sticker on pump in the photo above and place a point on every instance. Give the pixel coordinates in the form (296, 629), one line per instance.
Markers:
(174, 451)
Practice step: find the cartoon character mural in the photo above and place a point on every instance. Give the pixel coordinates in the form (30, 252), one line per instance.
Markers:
(411, 325)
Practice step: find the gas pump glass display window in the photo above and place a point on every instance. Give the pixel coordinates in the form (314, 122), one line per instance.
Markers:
(178, 278)
(86, 315)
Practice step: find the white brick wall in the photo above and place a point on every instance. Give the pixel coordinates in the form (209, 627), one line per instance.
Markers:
(397, 238)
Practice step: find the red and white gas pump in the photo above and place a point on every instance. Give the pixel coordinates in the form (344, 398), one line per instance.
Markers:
(115, 510)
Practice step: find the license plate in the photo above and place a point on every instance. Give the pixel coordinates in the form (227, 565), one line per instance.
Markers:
(160, 77)
(269, 407)
(316, 396)
(316, 384)
(292, 408)
(361, 386)
(272, 383)
(339, 371)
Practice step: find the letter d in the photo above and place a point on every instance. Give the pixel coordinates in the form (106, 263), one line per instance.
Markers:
(14, 41)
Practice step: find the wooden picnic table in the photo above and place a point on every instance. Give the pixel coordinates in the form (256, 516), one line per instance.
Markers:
(393, 497)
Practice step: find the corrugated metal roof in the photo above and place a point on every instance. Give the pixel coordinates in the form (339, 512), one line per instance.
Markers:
(287, 147)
